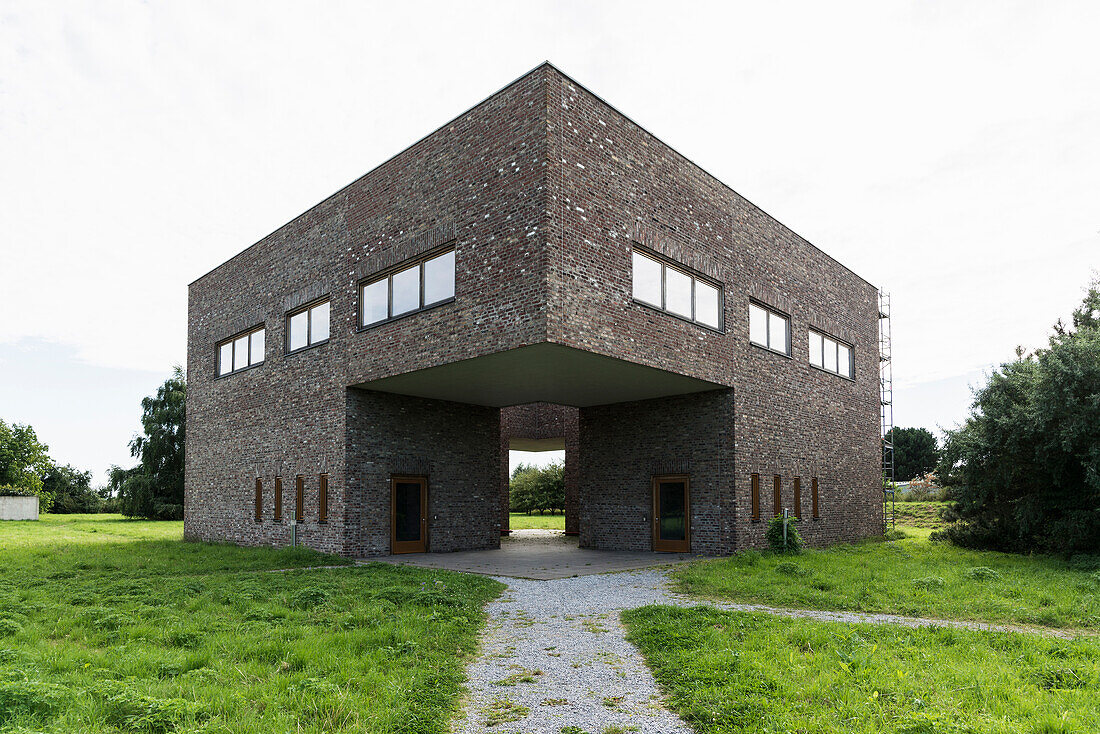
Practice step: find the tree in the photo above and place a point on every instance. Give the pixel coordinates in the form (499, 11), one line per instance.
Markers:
(1025, 466)
(535, 489)
(915, 452)
(23, 461)
(154, 488)
(71, 489)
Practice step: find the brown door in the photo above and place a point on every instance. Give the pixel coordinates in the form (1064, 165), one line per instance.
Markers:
(671, 514)
(409, 515)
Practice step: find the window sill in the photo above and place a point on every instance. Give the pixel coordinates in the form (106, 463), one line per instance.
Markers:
(769, 350)
(830, 372)
(678, 317)
(299, 350)
(237, 372)
(390, 320)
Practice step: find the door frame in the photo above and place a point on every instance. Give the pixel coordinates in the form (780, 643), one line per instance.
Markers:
(671, 546)
(409, 546)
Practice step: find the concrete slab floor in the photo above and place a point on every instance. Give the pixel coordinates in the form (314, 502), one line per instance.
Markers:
(539, 555)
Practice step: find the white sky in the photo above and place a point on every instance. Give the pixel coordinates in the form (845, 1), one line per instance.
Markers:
(947, 151)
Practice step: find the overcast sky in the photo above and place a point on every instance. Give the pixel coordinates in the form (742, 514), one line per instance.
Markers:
(949, 152)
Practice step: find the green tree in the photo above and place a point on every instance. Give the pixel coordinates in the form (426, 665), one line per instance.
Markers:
(23, 462)
(535, 489)
(915, 452)
(71, 489)
(1025, 466)
(154, 488)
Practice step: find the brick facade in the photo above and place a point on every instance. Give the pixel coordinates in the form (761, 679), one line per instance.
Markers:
(543, 190)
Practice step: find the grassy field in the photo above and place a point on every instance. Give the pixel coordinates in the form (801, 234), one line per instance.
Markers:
(919, 514)
(523, 521)
(910, 576)
(112, 625)
(732, 672)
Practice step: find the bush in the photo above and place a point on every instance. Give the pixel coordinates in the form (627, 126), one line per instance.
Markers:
(923, 489)
(982, 573)
(45, 499)
(790, 568)
(30, 698)
(929, 583)
(774, 534)
(130, 710)
(896, 534)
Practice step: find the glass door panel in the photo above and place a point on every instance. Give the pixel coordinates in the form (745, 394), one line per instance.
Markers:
(671, 514)
(409, 514)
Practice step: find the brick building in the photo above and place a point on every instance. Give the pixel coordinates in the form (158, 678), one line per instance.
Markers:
(540, 272)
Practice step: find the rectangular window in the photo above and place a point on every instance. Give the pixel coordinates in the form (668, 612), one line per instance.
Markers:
(664, 286)
(322, 498)
(798, 497)
(813, 498)
(415, 287)
(278, 499)
(769, 329)
(777, 494)
(307, 327)
(830, 355)
(299, 497)
(241, 352)
(259, 500)
(756, 498)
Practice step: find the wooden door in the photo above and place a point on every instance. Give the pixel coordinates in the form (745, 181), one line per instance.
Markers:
(408, 514)
(671, 514)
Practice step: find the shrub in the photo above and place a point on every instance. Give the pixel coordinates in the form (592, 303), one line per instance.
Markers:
(29, 698)
(929, 583)
(309, 597)
(9, 627)
(1083, 562)
(129, 710)
(790, 568)
(982, 573)
(774, 534)
(896, 534)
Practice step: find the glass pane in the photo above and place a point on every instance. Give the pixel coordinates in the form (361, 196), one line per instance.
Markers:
(439, 278)
(406, 291)
(298, 323)
(670, 501)
(758, 325)
(318, 323)
(225, 358)
(815, 350)
(677, 292)
(257, 353)
(376, 297)
(777, 332)
(240, 353)
(844, 358)
(647, 279)
(830, 354)
(407, 511)
(706, 304)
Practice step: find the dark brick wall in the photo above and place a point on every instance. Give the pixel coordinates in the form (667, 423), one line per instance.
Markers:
(617, 185)
(627, 444)
(454, 444)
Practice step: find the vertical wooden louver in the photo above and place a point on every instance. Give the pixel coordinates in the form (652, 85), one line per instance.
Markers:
(813, 497)
(755, 497)
(278, 499)
(259, 499)
(777, 494)
(322, 498)
(798, 497)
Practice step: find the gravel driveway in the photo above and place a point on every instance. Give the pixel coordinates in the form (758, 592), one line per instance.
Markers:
(554, 655)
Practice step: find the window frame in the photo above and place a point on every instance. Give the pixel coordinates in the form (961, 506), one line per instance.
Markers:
(387, 275)
(839, 343)
(232, 340)
(768, 311)
(308, 310)
(693, 275)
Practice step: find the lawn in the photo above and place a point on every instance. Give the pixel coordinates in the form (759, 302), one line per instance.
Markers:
(523, 521)
(919, 514)
(115, 625)
(735, 672)
(911, 576)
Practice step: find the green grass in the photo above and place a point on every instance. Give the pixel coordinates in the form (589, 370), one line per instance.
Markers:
(919, 514)
(110, 625)
(523, 521)
(734, 672)
(911, 576)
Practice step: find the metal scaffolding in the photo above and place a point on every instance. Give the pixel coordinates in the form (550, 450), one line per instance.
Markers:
(886, 409)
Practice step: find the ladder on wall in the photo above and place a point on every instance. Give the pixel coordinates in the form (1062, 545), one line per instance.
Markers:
(886, 409)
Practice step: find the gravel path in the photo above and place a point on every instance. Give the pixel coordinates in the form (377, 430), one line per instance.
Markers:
(554, 655)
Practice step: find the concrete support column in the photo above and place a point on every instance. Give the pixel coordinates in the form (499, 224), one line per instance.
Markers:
(505, 478)
(571, 421)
